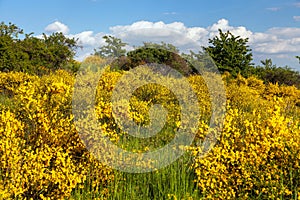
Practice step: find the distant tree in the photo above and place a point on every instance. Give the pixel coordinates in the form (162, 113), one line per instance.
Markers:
(230, 53)
(162, 45)
(267, 63)
(9, 46)
(114, 47)
(32, 54)
(153, 53)
(201, 61)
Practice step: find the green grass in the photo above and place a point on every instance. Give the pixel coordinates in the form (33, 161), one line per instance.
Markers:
(176, 179)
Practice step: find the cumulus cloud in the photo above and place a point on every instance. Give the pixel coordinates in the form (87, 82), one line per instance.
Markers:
(57, 27)
(143, 31)
(280, 44)
(284, 32)
(88, 41)
(88, 38)
(186, 38)
(276, 43)
(223, 24)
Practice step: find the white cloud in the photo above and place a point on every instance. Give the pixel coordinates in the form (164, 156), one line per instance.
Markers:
(257, 38)
(88, 41)
(297, 4)
(170, 13)
(186, 38)
(284, 32)
(274, 9)
(57, 27)
(296, 18)
(222, 24)
(143, 31)
(88, 38)
(276, 43)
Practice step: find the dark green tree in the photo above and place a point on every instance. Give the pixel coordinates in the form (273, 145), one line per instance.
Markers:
(230, 53)
(59, 50)
(298, 57)
(162, 45)
(32, 54)
(154, 54)
(114, 47)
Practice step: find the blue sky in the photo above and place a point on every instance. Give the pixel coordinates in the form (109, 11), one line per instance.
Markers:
(273, 26)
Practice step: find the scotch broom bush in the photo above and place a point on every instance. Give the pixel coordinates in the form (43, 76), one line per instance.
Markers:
(42, 156)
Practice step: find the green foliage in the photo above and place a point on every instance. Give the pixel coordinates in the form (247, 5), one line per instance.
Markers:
(32, 54)
(230, 53)
(162, 45)
(157, 54)
(114, 48)
(60, 50)
(270, 73)
(10, 30)
(200, 61)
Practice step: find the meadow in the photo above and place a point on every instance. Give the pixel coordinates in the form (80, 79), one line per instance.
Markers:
(42, 155)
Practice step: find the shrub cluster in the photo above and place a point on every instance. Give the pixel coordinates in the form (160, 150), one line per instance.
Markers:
(43, 157)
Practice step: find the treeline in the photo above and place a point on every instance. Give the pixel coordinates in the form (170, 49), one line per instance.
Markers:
(271, 73)
(40, 55)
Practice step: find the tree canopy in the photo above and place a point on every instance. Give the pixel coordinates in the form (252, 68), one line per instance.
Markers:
(32, 54)
(114, 47)
(230, 53)
(153, 53)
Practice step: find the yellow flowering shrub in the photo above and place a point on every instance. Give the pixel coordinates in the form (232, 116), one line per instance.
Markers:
(11, 155)
(258, 152)
(140, 102)
(42, 155)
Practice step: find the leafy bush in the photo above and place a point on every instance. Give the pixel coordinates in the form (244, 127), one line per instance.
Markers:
(270, 73)
(35, 55)
(154, 54)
